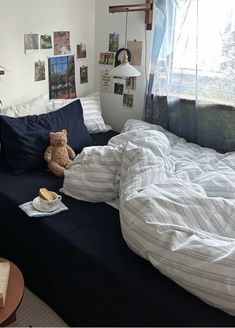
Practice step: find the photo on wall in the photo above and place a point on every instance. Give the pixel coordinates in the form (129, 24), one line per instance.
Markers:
(106, 58)
(131, 83)
(128, 100)
(83, 74)
(118, 88)
(30, 42)
(113, 42)
(39, 70)
(81, 50)
(61, 77)
(135, 48)
(45, 42)
(62, 43)
(106, 82)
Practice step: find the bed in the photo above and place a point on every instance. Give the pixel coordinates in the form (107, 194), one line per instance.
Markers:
(176, 204)
(79, 264)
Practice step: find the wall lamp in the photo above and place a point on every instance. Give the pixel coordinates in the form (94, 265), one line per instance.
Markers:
(123, 69)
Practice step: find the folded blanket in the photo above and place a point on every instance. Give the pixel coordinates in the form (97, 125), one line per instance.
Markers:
(32, 212)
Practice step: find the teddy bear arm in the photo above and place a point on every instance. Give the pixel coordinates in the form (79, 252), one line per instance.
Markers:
(48, 154)
(70, 152)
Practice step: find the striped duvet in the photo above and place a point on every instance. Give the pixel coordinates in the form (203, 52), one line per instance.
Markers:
(176, 202)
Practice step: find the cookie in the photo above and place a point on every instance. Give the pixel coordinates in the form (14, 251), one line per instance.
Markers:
(45, 194)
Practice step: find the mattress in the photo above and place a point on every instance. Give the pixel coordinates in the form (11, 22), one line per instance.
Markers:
(79, 264)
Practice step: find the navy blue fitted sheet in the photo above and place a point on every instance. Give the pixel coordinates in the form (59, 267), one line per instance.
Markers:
(78, 262)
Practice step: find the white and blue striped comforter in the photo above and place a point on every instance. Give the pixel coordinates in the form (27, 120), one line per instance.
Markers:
(176, 202)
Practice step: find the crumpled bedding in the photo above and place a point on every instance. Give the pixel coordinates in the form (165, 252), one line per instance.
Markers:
(176, 202)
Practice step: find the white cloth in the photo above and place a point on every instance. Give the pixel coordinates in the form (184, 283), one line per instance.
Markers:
(177, 205)
(35, 106)
(32, 212)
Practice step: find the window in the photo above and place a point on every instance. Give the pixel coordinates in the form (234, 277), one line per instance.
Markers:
(201, 63)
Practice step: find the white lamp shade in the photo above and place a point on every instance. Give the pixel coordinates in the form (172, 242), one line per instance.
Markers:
(124, 70)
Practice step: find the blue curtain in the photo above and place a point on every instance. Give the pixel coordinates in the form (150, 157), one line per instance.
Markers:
(191, 86)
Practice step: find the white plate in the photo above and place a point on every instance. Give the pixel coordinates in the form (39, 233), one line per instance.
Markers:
(37, 206)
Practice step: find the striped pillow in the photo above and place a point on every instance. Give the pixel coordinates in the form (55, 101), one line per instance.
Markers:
(91, 111)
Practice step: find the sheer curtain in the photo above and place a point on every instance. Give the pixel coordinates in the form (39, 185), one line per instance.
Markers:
(191, 89)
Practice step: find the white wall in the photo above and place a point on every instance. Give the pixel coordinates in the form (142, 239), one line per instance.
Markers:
(88, 21)
(105, 23)
(41, 16)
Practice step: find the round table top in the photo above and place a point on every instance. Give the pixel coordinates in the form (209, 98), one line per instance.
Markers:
(15, 291)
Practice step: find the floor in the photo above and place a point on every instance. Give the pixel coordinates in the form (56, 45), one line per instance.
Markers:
(33, 312)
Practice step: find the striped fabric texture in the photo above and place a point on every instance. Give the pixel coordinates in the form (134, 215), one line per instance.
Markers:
(32, 212)
(176, 202)
(83, 181)
(91, 111)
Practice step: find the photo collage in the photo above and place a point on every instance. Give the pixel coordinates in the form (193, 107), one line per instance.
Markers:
(61, 63)
(119, 86)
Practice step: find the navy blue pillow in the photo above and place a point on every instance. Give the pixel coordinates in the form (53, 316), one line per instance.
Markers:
(24, 139)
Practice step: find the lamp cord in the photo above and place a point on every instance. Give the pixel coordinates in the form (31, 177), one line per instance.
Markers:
(126, 28)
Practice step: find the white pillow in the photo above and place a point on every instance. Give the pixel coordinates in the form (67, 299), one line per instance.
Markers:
(91, 111)
(34, 106)
(55, 104)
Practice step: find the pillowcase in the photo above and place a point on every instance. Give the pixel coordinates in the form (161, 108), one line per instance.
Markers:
(35, 106)
(24, 139)
(91, 111)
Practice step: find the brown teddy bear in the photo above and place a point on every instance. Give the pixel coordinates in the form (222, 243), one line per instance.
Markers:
(58, 155)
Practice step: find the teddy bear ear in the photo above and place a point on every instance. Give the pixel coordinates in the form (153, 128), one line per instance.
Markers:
(51, 134)
(64, 131)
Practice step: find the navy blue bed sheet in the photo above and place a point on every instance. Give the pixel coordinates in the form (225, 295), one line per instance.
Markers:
(79, 264)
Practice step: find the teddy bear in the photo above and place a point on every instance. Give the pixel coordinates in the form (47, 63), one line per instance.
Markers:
(58, 155)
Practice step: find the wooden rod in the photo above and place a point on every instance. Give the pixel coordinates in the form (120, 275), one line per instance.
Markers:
(147, 7)
(149, 15)
(124, 8)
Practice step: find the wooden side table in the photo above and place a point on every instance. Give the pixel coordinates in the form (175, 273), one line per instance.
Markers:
(14, 295)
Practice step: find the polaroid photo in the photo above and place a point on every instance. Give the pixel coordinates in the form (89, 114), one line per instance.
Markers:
(106, 58)
(45, 42)
(39, 71)
(131, 83)
(128, 100)
(81, 50)
(118, 88)
(31, 42)
(113, 42)
(83, 74)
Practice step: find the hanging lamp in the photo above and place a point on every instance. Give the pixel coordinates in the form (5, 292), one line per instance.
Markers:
(124, 69)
